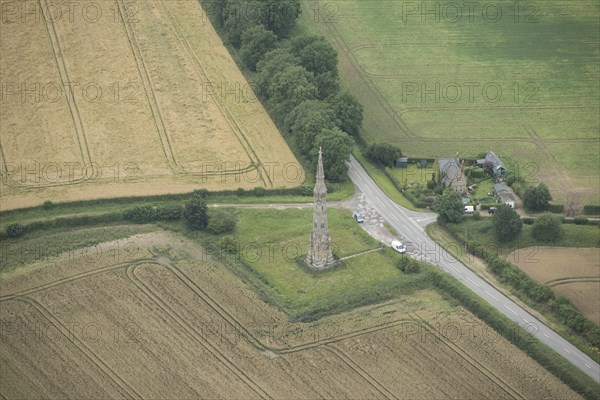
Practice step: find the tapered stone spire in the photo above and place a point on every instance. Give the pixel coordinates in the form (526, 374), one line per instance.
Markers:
(319, 254)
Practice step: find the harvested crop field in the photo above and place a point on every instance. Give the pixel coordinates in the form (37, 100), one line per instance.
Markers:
(163, 319)
(141, 99)
(572, 272)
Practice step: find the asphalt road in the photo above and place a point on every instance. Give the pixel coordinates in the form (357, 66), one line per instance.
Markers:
(411, 225)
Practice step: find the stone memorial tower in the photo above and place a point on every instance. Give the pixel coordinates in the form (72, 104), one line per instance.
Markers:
(319, 254)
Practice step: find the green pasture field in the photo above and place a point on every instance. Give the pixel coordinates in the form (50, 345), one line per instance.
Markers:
(518, 78)
(481, 232)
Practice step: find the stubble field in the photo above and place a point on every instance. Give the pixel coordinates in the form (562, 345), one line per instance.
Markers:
(149, 317)
(127, 98)
(572, 272)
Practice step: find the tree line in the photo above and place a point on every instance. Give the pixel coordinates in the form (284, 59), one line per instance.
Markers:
(296, 78)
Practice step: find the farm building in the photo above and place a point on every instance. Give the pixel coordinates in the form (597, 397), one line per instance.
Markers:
(402, 162)
(504, 195)
(494, 163)
(451, 174)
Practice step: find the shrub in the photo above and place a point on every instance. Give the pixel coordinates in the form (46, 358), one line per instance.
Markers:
(15, 230)
(476, 173)
(305, 190)
(547, 228)
(48, 205)
(195, 214)
(541, 293)
(556, 208)
(510, 179)
(431, 185)
(506, 223)
(229, 245)
(240, 192)
(476, 215)
(141, 214)
(580, 221)
(203, 193)
(591, 209)
(220, 222)
(259, 191)
(528, 220)
(408, 265)
(169, 212)
(383, 154)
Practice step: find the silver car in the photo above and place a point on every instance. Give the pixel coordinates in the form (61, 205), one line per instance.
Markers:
(359, 217)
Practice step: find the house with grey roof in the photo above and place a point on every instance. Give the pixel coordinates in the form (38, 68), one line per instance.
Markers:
(493, 163)
(504, 195)
(451, 174)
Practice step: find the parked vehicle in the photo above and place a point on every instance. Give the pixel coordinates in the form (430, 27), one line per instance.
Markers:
(359, 217)
(469, 209)
(398, 246)
(491, 210)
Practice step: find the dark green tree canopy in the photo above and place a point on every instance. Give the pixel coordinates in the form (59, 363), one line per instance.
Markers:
(271, 64)
(315, 54)
(289, 88)
(349, 112)
(547, 228)
(328, 84)
(383, 153)
(307, 121)
(195, 213)
(450, 207)
(256, 42)
(337, 146)
(235, 16)
(537, 198)
(506, 223)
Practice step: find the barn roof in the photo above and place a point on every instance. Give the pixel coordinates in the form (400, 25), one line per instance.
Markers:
(500, 188)
(506, 196)
(492, 160)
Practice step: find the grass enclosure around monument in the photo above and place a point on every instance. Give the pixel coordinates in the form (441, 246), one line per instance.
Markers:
(272, 244)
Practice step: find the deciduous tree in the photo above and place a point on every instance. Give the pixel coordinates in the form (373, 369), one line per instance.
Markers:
(337, 146)
(506, 223)
(537, 198)
(289, 88)
(547, 228)
(256, 42)
(450, 207)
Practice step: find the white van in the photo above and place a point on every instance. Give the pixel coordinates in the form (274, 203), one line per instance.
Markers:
(469, 209)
